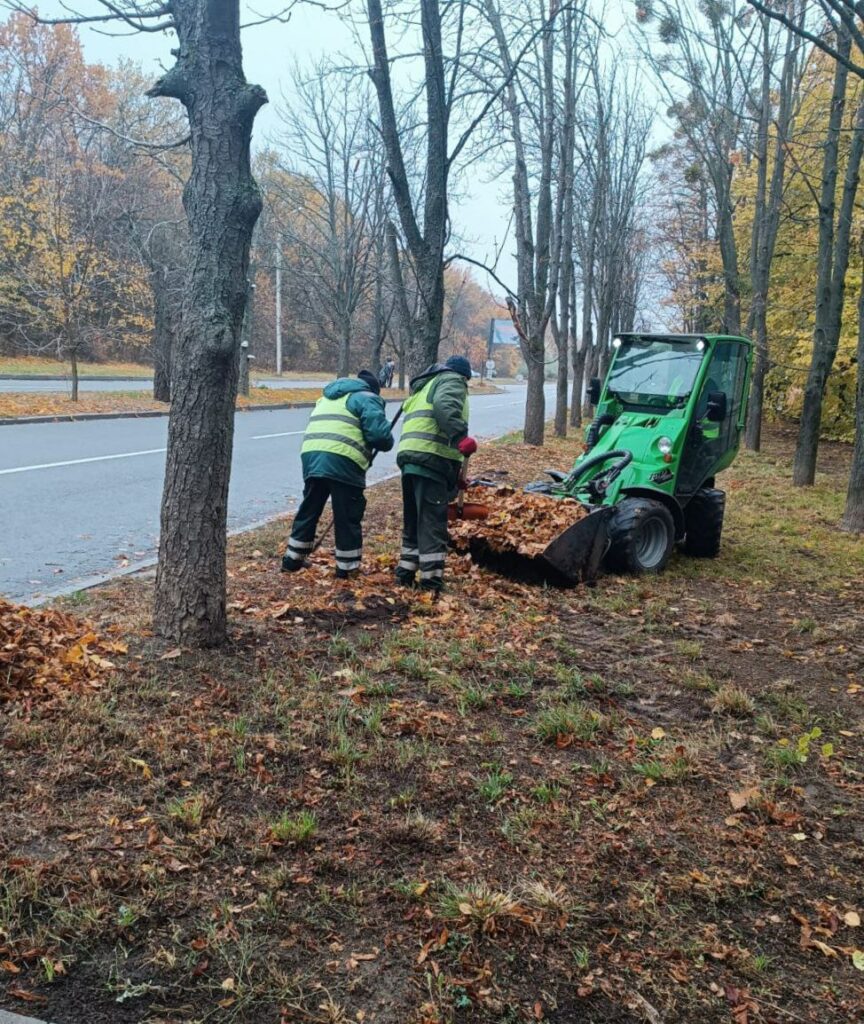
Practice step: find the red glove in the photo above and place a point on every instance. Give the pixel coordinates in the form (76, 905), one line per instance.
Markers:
(467, 446)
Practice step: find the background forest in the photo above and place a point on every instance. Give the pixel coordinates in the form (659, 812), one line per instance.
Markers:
(692, 195)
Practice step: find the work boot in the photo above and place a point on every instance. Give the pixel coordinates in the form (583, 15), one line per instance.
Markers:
(404, 578)
(293, 564)
(347, 574)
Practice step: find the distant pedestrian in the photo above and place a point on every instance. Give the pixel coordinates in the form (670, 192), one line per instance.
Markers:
(347, 424)
(431, 449)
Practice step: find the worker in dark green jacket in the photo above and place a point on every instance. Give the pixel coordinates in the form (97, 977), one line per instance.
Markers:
(431, 451)
(347, 424)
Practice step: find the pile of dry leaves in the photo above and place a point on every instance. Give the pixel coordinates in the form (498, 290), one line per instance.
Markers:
(42, 651)
(517, 521)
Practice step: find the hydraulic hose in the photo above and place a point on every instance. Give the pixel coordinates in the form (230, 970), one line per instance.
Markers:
(594, 430)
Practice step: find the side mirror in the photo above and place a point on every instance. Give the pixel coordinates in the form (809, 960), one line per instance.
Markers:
(716, 411)
(594, 390)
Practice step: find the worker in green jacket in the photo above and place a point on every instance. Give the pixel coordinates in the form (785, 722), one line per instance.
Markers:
(431, 451)
(346, 425)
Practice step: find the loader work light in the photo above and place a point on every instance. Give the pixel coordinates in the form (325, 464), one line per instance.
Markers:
(665, 445)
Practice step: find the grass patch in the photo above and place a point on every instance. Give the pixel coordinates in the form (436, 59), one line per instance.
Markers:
(297, 828)
(567, 722)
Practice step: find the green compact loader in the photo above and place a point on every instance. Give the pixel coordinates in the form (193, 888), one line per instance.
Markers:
(668, 418)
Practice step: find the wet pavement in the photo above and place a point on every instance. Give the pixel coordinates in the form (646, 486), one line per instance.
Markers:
(81, 500)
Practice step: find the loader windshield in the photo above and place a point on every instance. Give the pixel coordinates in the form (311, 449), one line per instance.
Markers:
(649, 371)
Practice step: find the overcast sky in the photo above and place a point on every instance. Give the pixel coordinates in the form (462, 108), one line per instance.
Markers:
(481, 215)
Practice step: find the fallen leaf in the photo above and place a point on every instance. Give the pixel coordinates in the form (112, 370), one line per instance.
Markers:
(852, 919)
(229, 985)
(29, 997)
(175, 652)
(742, 797)
(858, 959)
(657, 733)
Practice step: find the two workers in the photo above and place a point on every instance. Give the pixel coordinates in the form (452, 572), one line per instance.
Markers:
(347, 425)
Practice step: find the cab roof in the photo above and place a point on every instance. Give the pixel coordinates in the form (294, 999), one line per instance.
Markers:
(648, 336)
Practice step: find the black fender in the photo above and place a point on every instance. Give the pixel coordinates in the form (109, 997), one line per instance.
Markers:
(664, 499)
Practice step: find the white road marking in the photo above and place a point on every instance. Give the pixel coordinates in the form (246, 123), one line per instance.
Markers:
(285, 433)
(79, 462)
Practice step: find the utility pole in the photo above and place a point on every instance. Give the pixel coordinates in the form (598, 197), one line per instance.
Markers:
(278, 311)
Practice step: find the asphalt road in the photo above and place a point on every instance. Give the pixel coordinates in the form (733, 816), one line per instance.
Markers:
(79, 500)
(62, 384)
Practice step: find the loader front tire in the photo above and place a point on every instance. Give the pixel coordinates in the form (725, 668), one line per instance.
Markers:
(703, 521)
(641, 535)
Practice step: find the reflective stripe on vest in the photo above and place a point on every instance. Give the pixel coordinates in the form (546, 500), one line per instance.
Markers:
(420, 432)
(334, 428)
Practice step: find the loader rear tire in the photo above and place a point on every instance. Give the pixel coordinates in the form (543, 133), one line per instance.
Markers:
(703, 521)
(641, 535)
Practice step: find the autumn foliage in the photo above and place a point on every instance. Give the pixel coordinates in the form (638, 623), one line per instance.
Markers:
(44, 652)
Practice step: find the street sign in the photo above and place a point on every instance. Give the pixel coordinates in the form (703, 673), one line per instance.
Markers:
(490, 364)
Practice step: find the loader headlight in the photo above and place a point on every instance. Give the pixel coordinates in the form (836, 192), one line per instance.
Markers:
(665, 445)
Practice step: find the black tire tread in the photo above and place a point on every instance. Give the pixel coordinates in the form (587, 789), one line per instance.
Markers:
(623, 529)
(703, 520)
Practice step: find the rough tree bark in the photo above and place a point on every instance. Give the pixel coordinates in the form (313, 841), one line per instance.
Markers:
(833, 262)
(222, 203)
(853, 516)
(766, 218)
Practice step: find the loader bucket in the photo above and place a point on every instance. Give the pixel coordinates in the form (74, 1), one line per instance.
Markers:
(574, 556)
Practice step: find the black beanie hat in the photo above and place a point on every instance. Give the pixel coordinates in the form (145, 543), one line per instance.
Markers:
(369, 378)
(460, 365)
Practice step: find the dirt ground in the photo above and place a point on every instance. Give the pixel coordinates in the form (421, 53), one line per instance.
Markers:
(637, 802)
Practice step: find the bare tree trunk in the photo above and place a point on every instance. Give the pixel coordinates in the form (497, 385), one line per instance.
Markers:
(400, 299)
(343, 368)
(853, 516)
(766, 219)
(222, 202)
(577, 356)
(165, 254)
(833, 263)
(427, 246)
(73, 365)
(163, 332)
(731, 278)
(535, 402)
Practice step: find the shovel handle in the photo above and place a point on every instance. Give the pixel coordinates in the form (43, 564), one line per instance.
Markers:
(463, 479)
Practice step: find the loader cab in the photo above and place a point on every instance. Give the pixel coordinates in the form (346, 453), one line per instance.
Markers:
(717, 418)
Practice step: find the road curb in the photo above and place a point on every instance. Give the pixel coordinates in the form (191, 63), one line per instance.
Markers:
(68, 380)
(13, 421)
(14, 1018)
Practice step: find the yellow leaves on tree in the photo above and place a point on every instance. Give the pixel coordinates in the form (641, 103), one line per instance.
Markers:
(792, 298)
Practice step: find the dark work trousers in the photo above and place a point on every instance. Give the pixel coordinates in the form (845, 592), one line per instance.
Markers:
(424, 531)
(349, 504)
